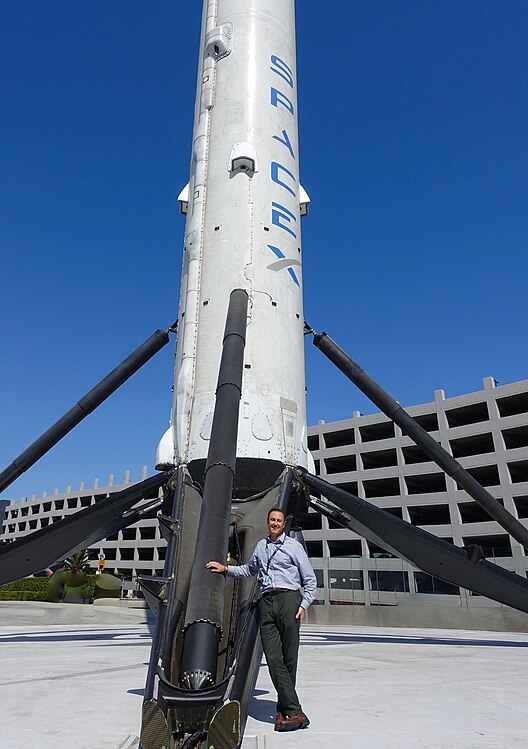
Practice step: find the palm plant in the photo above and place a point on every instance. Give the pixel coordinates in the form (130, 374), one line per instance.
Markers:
(78, 563)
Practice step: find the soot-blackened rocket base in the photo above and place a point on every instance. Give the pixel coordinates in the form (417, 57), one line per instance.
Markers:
(237, 442)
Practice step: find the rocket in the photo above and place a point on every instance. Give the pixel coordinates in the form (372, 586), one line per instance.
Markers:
(238, 421)
(237, 443)
(243, 207)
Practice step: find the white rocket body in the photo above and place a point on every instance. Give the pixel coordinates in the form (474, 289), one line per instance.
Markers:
(243, 206)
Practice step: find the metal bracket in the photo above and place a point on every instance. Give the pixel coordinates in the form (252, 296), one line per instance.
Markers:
(474, 553)
(218, 41)
(205, 621)
(168, 526)
(219, 463)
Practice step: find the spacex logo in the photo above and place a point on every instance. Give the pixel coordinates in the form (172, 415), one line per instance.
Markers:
(281, 171)
(284, 262)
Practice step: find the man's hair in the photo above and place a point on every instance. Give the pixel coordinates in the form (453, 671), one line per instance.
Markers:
(276, 509)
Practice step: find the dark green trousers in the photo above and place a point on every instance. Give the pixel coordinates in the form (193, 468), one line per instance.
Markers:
(279, 630)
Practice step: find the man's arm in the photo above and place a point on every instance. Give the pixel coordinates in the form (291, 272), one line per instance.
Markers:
(239, 570)
(218, 567)
(308, 580)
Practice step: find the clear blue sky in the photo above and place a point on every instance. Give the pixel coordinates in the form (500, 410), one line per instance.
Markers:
(414, 132)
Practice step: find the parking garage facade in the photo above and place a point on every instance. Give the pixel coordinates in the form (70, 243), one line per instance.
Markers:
(486, 431)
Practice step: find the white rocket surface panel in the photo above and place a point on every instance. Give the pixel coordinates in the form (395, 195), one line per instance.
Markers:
(243, 231)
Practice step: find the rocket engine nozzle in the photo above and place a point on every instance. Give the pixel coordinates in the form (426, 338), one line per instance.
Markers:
(202, 638)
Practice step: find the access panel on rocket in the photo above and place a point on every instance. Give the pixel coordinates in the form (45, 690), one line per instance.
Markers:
(243, 205)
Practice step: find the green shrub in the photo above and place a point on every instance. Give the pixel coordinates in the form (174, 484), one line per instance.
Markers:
(36, 589)
(22, 595)
(25, 589)
(35, 584)
(88, 590)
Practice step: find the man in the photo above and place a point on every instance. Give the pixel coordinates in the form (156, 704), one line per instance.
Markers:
(281, 565)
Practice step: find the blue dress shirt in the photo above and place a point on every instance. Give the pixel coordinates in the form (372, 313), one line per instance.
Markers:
(281, 564)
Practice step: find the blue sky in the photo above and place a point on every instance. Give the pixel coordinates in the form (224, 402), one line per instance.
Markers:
(414, 120)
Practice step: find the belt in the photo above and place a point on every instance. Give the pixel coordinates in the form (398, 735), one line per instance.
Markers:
(276, 591)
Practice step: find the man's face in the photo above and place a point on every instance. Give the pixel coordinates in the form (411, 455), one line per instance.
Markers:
(276, 524)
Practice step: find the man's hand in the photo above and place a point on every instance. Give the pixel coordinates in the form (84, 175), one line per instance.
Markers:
(216, 567)
(300, 615)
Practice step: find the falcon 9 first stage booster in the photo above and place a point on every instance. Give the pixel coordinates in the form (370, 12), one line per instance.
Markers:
(243, 205)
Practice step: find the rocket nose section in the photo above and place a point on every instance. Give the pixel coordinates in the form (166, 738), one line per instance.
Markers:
(166, 452)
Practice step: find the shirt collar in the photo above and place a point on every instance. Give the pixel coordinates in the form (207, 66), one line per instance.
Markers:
(280, 539)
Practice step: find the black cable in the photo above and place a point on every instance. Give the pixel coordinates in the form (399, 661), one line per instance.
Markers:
(234, 606)
(192, 741)
(259, 495)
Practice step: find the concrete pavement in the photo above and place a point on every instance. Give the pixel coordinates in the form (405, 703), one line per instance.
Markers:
(73, 676)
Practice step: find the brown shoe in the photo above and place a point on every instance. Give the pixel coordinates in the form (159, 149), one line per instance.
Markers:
(294, 722)
(278, 721)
